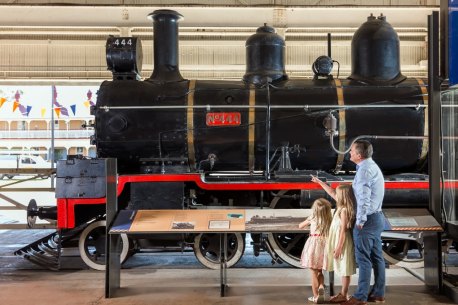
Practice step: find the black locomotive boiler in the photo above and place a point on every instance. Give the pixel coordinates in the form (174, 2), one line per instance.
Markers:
(190, 144)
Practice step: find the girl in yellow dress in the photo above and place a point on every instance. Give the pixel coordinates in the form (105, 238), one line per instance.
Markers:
(340, 250)
(313, 254)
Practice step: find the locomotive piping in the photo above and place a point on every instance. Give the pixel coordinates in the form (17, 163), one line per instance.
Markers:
(267, 174)
(424, 146)
(342, 124)
(331, 136)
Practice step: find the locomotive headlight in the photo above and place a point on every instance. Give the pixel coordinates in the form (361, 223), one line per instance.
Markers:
(124, 57)
(322, 66)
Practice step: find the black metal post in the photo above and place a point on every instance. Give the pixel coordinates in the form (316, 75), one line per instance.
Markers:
(113, 241)
(223, 263)
(444, 38)
(432, 242)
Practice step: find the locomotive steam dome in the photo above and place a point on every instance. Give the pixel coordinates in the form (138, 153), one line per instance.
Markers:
(265, 56)
(375, 53)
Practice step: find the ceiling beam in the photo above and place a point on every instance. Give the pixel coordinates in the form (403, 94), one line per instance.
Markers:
(120, 16)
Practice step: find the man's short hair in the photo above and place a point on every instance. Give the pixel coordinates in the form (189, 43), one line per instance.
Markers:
(364, 148)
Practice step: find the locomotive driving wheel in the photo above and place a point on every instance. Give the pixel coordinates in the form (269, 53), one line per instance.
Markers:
(92, 245)
(207, 249)
(288, 246)
(406, 253)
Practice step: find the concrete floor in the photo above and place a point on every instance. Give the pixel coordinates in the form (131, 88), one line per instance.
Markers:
(174, 278)
(187, 286)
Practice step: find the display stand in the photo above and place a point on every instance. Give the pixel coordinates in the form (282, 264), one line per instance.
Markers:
(225, 221)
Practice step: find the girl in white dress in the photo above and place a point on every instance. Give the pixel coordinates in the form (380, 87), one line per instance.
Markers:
(340, 250)
(313, 254)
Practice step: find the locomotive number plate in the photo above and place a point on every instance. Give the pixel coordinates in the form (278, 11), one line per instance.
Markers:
(223, 119)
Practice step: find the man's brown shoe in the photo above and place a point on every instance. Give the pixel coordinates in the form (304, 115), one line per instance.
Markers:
(374, 299)
(353, 301)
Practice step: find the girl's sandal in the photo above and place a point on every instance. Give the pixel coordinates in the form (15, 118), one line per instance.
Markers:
(313, 299)
(338, 298)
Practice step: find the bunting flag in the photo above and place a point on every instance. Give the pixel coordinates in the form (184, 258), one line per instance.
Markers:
(43, 112)
(28, 110)
(58, 111)
(89, 98)
(21, 107)
(73, 108)
(24, 110)
(15, 105)
(86, 103)
(62, 109)
(2, 101)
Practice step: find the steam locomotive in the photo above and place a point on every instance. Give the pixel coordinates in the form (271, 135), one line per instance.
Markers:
(187, 144)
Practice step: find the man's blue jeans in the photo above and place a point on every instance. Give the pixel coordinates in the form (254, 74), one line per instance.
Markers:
(368, 250)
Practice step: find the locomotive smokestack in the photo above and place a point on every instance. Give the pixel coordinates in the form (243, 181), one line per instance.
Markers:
(165, 23)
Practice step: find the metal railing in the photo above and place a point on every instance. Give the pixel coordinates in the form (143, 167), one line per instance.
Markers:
(37, 134)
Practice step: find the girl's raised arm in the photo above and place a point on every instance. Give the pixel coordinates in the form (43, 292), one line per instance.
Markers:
(331, 192)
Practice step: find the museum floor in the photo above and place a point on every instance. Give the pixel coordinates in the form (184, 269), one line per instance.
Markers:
(186, 286)
(175, 278)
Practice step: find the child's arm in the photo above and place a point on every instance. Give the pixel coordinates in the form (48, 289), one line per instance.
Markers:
(343, 230)
(305, 223)
(331, 192)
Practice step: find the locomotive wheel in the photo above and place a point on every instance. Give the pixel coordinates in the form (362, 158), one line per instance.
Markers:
(206, 249)
(403, 253)
(92, 245)
(288, 246)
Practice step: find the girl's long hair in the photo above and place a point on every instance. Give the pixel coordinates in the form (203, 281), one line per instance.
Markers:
(321, 212)
(346, 202)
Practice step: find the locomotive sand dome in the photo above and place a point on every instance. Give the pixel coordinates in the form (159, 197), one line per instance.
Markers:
(265, 57)
(192, 144)
(375, 52)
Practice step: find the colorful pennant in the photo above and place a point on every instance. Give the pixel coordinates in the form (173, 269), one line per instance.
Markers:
(15, 105)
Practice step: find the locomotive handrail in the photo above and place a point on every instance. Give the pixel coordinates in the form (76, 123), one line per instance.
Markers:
(209, 107)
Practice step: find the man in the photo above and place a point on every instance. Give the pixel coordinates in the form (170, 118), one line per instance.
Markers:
(369, 189)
